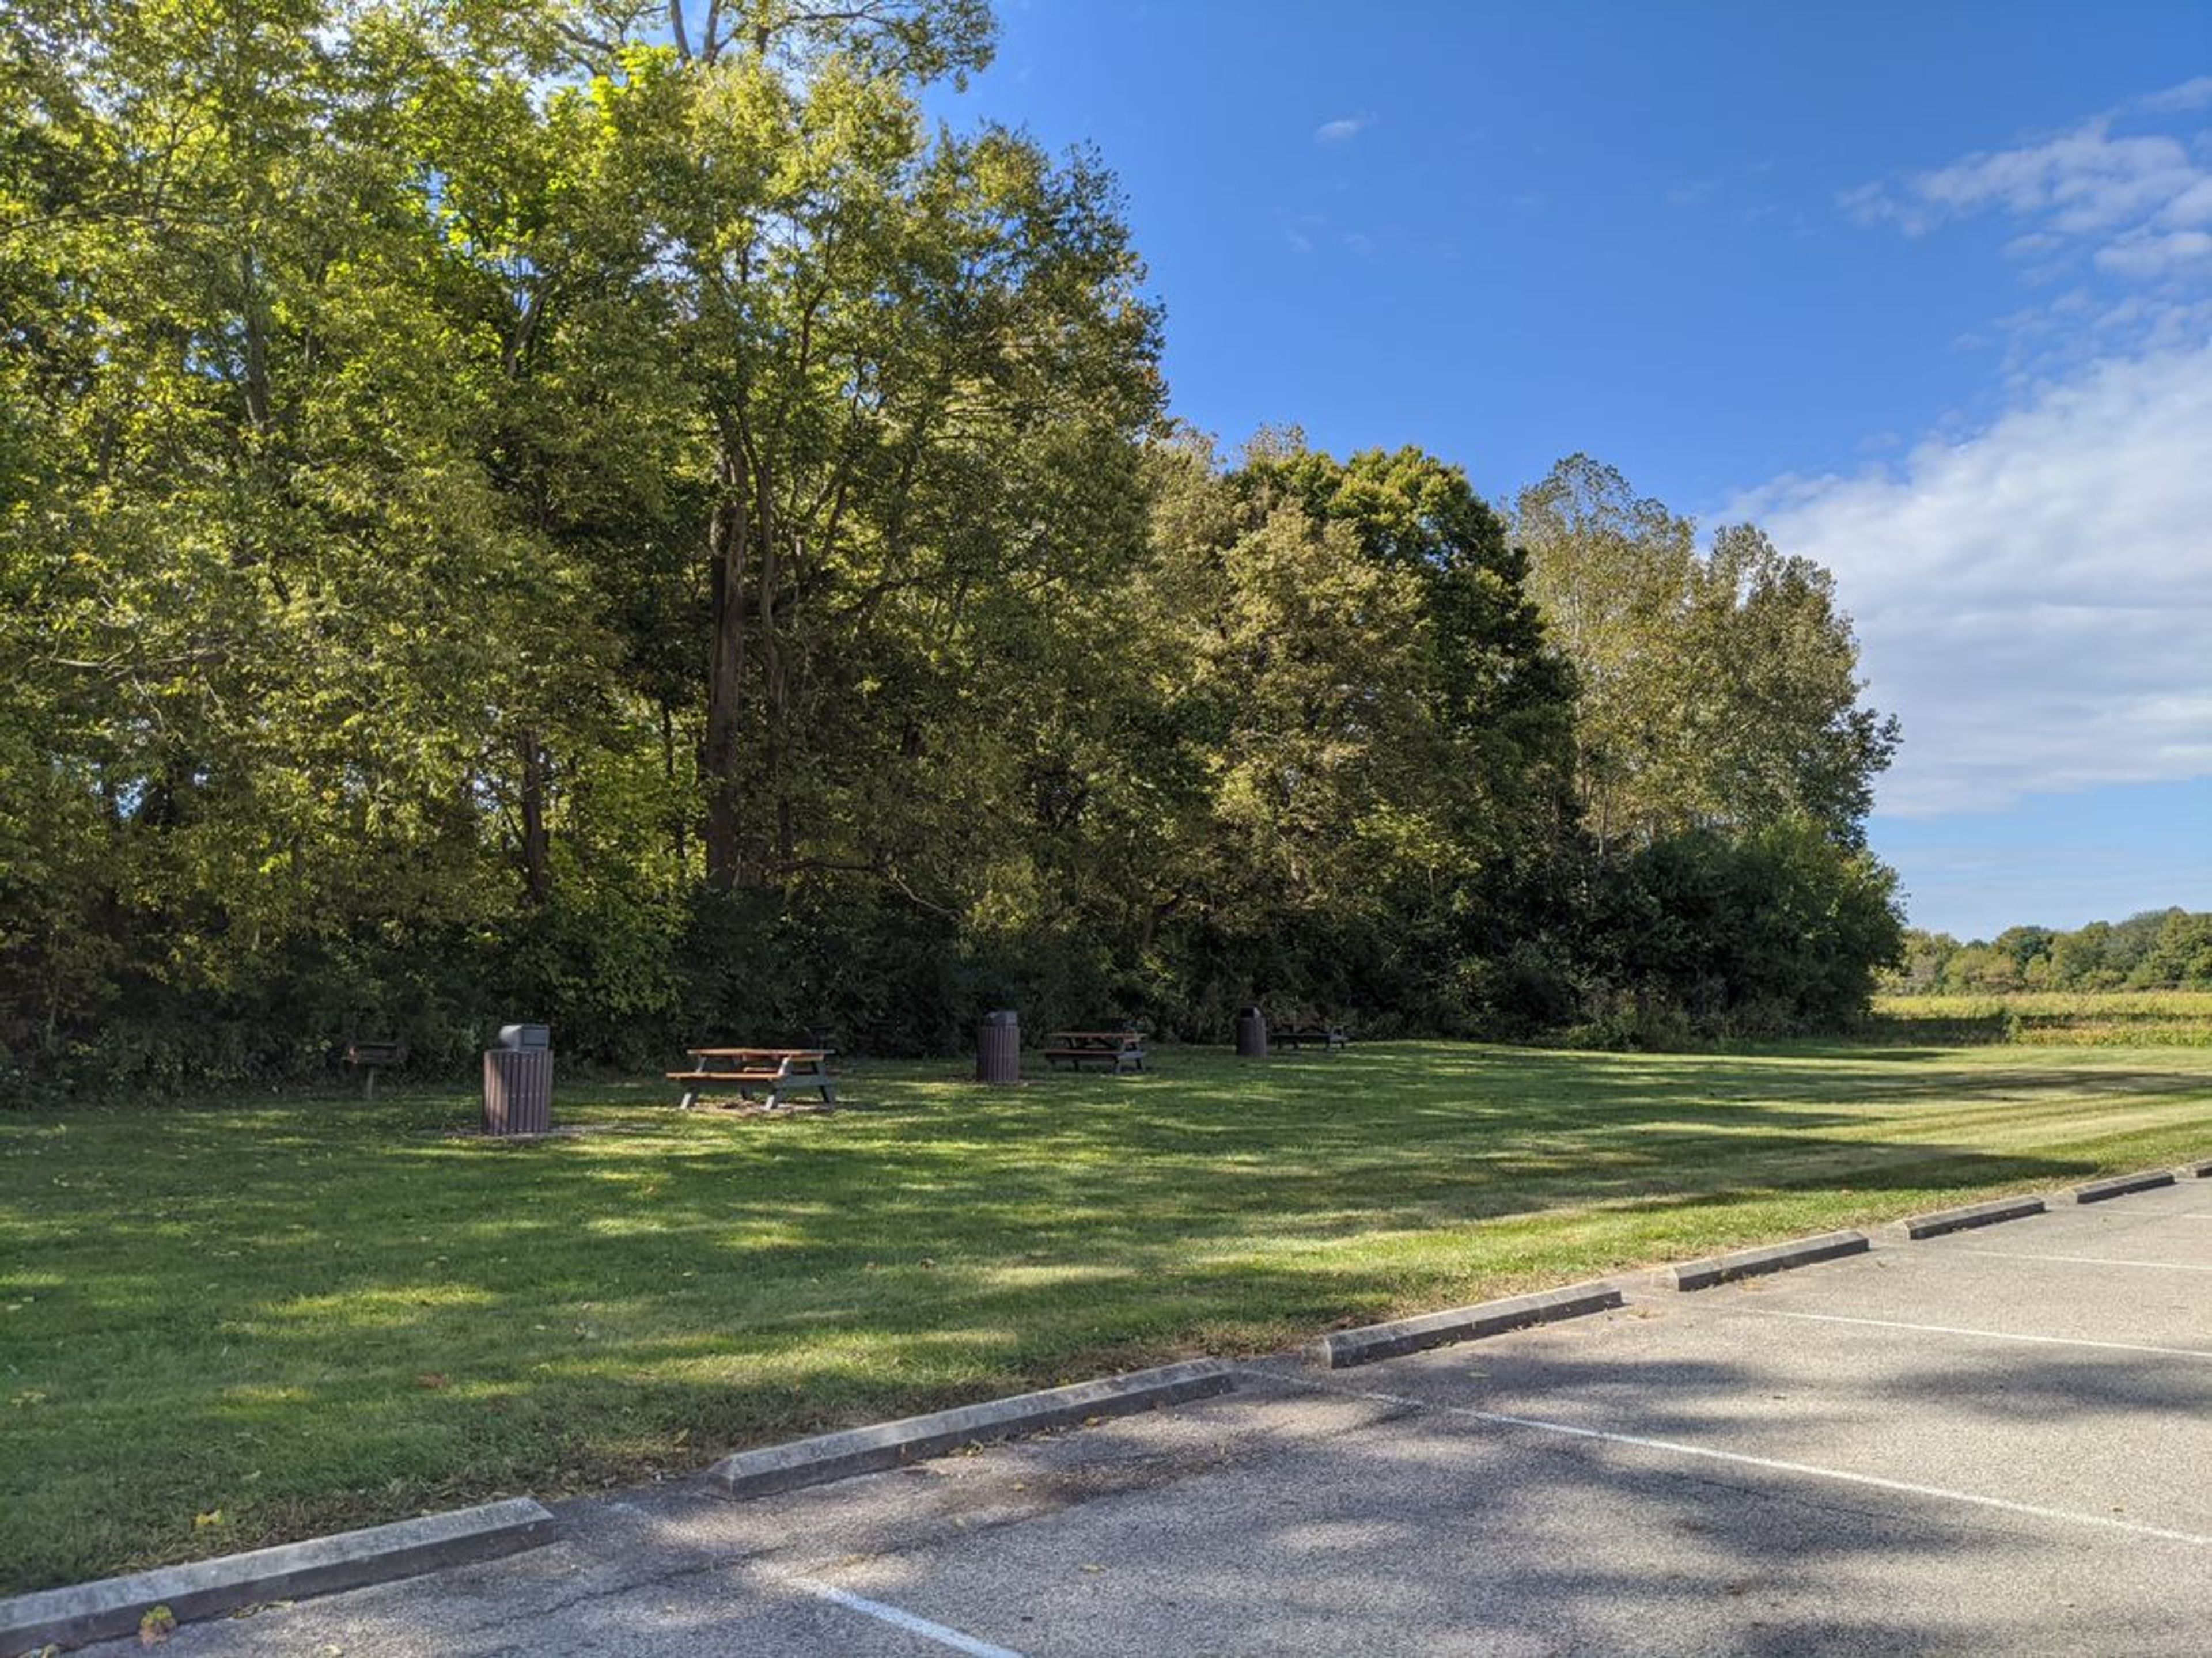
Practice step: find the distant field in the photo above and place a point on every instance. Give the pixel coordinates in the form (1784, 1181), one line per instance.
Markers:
(271, 1316)
(2164, 1018)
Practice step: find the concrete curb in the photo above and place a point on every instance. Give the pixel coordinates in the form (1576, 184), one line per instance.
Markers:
(2120, 1185)
(1973, 1214)
(1777, 1258)
(2199, 1170)
(891, 1444)
(208, 1588)
(1343, 1348)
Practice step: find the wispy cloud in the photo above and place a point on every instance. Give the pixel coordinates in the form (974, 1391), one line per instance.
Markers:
(2190, 95)
(2128, 203)
(1343, 130)
(2112, 222)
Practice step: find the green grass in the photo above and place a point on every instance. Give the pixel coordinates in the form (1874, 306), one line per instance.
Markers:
(302, 1313)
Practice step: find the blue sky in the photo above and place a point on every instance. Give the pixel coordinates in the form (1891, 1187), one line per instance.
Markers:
(1927, 290)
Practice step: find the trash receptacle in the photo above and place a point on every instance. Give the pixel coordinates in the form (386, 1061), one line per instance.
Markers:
(999, 1047)
(517, 1077)
(1251, 1033)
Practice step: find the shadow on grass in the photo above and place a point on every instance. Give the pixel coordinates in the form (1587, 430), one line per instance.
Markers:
(319, 1309)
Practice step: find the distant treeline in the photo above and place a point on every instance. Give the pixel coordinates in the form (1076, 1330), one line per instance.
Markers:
(507, 514)
(2156, 950)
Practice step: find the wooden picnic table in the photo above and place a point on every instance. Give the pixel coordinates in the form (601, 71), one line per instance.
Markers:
(775, 1071)
(1331, 1037)
(1123, 1050)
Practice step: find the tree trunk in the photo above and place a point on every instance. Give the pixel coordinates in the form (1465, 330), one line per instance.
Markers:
(680, 823)
(775, 675)
(537, 839)
(727, 532)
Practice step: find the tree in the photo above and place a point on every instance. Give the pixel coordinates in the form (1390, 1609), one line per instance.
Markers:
(897, 351)
(1717, 690)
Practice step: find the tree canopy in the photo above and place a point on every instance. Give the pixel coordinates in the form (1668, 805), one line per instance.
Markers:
(608, 511)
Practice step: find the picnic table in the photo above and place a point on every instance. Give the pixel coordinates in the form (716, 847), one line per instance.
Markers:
(1123, 1050)
(1331, 1037)
(746, 1072)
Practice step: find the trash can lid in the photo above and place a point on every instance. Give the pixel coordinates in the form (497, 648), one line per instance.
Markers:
(525, 1035)
(1249, 1013)
(1002, 1016)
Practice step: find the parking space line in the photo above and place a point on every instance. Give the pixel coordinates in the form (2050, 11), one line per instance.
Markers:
(2088, 1260)
(899, 1618)
(1844, 1476)
(1985, 1335)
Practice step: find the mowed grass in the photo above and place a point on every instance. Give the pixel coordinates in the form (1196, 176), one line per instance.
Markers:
(232, 1324)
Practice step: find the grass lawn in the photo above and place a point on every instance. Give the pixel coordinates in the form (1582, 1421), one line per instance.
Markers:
(226, 1325)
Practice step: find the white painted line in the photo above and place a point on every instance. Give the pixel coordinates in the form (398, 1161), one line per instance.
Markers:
(1985, 1335)
(900, 1619)
(2086, 1260)
(1975, 1499)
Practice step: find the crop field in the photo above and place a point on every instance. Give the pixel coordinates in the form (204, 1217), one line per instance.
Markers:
(2065, 1019)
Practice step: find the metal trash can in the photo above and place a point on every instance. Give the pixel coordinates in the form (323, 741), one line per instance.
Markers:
(999, 1047)
(517, 1077)
(1251, 1033)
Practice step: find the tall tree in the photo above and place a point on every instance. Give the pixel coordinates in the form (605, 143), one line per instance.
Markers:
(891, 342)
(1718, 689)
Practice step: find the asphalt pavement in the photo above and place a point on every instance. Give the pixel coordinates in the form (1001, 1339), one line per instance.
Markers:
(1997, 1441)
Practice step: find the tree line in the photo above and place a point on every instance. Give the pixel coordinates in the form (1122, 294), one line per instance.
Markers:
(2154, 950)
(608, 514)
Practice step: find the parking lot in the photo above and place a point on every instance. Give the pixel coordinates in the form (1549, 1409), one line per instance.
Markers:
(1996, 1441)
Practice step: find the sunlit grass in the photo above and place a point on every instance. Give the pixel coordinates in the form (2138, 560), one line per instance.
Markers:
(305, 1313)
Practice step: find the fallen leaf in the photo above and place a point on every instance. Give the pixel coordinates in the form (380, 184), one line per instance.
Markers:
(431, 1379)
(212, 1517)
(156, 1626)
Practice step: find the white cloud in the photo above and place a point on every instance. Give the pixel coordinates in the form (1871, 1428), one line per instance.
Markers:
(1343, 130)
(2034, 601)
(2106, 199)
(2148, 254)
(2084, 181)
(2033, 595)
(2190, 95)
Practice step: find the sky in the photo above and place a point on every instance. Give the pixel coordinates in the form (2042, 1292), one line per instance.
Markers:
(1926, 291)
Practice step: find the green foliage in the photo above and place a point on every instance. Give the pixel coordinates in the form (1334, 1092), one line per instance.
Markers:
(1719, 689)
(2154, 950)
(1780, 931)
(515, 511)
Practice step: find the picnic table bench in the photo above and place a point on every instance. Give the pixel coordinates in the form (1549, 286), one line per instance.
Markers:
(1123, 1050)
(1331, 1037)
(746, 1072)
